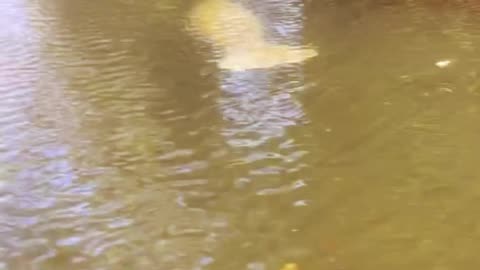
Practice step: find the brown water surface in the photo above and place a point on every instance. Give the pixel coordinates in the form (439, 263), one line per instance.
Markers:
(123, 146)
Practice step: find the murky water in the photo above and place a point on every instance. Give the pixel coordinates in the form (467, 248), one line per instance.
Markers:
(123, 146)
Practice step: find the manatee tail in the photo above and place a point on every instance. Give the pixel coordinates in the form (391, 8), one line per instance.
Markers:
(293, 54)
(265, 56)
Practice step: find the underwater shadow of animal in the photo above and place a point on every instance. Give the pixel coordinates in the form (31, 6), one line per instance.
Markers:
(239, 36)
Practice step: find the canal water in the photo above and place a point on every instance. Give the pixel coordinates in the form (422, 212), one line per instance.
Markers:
(124, 146)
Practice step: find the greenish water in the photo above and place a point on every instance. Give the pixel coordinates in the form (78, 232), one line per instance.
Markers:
(122, 146)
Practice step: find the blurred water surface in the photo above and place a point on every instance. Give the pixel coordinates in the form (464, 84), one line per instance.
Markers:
(123, 146)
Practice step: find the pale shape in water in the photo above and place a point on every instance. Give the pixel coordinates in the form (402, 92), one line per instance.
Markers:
(240, 36)
(443, 63)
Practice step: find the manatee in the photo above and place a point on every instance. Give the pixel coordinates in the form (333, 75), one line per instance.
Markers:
(240, 37)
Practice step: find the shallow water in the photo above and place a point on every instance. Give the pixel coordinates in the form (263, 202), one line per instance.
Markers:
(122, 146)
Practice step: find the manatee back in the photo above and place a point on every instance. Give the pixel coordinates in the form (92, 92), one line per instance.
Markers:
(226, 24)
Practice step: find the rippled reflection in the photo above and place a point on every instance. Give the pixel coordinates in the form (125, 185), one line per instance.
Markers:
(47, 201)
(261, 111)
(258, 105)
(253, 112)
(122, 147)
